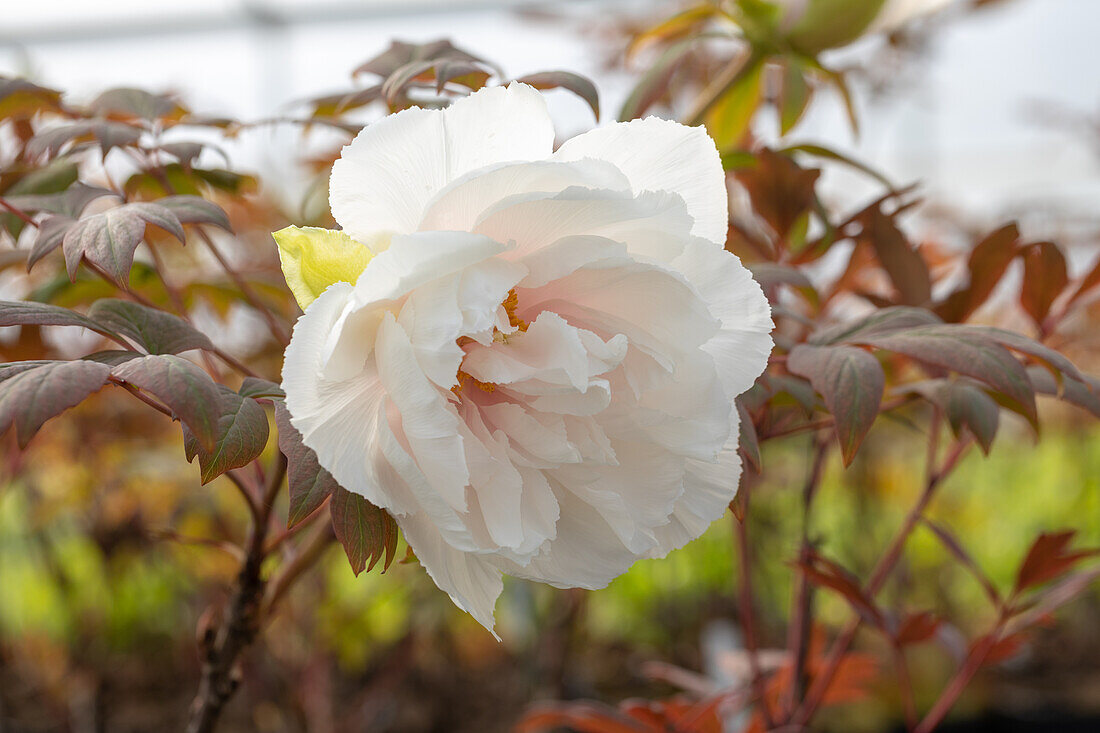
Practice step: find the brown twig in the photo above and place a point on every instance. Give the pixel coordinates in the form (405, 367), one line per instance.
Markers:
(959, 682)
(277, 328)
(223, 648)
(798, 636)
(748, 615)
(882, 571)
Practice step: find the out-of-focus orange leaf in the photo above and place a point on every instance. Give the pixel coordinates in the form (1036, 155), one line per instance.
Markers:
(1048, 558)
(781, 190)
(1045, 277)
(917, 627)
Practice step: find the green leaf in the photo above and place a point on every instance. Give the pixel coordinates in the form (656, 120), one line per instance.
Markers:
(196, 210)
(31, 397)
(729, 118)
(137, 103)
(70, 202)
(242, 434)
(21, 98)
(154, 330)
(309, 484)
(51, 232)
(1085, 393)
(258, 389)
(851, 382)
(27, 313)
(968, 406)
(794, 97)
(579, 85)
(654, 83)
(189, 392)
(957, 349)
(882, 321)
(821, 151)
(110, 238)
(365, 531)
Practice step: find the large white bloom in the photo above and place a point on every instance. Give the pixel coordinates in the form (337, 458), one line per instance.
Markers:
(535, 371)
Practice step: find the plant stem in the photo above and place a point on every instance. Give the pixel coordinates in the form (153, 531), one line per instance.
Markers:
(959, 682)
(882, 571)
(798, 636)
(277, 328)
(748, 615)
(223, 648)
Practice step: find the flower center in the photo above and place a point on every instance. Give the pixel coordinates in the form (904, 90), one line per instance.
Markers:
(510, 304)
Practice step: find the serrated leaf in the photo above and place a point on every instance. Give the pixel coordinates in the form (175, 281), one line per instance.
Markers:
(241, 436)
(308, 483)
(257, 388)
(110, 238)
(364, 531)
(970, 407)
(579, 85)
(851, 382)
(1045, 277)
(960, 350)
(154, 330)
(188, 391)
(196, 210)
(30, 398)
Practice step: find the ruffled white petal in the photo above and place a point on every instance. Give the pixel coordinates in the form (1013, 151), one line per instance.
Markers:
(386, 176)
(537, 375)
(660, 155)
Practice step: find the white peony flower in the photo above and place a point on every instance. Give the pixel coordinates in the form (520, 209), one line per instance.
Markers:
(528, 357)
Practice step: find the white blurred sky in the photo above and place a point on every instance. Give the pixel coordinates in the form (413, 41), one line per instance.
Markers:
(962, 127)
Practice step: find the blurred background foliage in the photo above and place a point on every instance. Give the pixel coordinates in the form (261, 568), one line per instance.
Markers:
(110, 553)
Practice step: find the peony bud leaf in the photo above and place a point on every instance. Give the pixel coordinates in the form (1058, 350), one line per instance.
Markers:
(314, 258)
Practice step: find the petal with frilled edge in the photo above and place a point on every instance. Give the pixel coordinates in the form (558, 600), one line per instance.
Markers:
(660, 155)
(385, 178)
(743, 342)
(472, 581)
